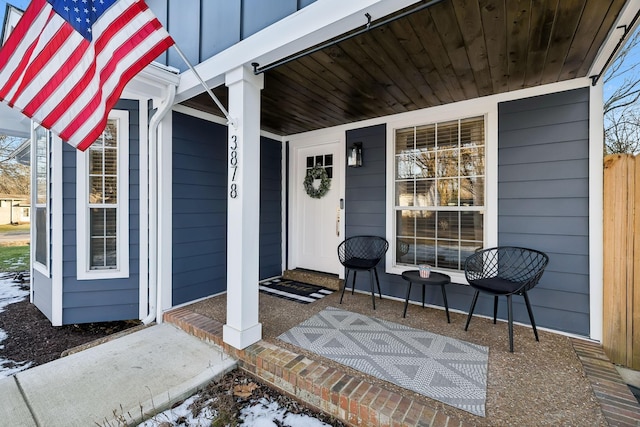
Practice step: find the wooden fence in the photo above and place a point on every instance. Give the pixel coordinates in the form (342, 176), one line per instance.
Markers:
(621, 332)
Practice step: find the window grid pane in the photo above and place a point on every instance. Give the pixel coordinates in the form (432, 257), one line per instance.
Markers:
(41, 165)
(103, 199)
(439, 192)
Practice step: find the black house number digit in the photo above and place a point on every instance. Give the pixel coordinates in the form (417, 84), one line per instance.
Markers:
(233, 164)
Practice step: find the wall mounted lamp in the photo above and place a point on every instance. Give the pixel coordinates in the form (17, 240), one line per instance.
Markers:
(354, 155)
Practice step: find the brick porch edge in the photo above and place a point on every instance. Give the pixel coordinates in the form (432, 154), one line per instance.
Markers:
(359, 403)
(618, 404)
(331, 391)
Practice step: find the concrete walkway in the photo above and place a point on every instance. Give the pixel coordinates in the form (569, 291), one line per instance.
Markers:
(143, 372)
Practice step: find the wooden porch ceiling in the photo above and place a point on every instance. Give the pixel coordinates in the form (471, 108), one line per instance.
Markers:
(451, 51)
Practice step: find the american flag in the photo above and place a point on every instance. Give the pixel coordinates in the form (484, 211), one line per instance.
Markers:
(67, 62)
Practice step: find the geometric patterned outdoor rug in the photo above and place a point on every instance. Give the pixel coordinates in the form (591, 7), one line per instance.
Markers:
(294, 291)
(442, 368)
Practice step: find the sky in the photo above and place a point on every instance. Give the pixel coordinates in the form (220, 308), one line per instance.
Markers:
(20, 4)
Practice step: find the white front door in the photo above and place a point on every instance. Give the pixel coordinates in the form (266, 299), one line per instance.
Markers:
(317, 224)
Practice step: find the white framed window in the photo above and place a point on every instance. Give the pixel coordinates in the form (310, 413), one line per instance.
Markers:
(439, 189)
(102, 203)
(40, 199)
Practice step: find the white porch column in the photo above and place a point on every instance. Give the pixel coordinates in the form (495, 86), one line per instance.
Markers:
(243, 211)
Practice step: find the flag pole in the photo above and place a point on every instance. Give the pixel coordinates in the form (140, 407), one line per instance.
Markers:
(204, 85)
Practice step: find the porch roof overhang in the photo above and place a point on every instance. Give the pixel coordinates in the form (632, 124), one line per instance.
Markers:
(451, 51)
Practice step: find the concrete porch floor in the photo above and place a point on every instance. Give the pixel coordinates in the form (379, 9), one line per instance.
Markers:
(557, 381)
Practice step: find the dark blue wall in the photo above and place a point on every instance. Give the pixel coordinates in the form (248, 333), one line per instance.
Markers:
(543, 199)
(105, 299)
(543, 203)
(200, 208)
(270, 208)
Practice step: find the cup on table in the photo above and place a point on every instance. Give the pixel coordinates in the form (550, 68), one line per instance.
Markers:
(425, 270)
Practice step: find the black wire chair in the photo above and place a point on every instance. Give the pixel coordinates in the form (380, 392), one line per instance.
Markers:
(362, 253)
(507, 271)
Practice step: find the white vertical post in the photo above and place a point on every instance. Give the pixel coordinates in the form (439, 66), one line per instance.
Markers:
(596, 215)
(164, 290)
(243, 210)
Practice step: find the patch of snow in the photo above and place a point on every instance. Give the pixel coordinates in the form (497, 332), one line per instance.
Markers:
(264, 413)
(10, 293)
(182, 413)
(9, 367)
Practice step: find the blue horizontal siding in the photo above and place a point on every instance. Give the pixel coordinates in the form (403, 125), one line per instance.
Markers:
(200, 208)
(270, 208)
(104, 299)
(116, 312)
(543, 199)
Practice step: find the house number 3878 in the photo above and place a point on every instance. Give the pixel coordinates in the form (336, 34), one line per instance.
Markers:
(233, 164)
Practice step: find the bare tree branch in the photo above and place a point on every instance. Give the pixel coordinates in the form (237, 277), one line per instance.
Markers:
(622, 106)
(14, 177)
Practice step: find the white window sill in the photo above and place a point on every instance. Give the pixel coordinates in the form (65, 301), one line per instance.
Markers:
(102, 274)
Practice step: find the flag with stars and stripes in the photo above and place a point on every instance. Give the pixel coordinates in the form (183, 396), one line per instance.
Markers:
(67, 62)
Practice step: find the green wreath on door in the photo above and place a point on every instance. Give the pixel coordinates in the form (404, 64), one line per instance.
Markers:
(317, 172)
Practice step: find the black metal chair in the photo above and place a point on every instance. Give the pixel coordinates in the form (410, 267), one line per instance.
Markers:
(507, 271)
(362, 253)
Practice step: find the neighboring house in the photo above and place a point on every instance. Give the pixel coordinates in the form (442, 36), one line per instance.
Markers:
(480, 125)
(14, 209)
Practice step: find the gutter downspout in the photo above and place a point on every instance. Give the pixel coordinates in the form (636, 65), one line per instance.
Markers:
(163, 109)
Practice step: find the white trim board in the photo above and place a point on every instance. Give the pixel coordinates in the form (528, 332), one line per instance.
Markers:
(56, 230)
(143, 203)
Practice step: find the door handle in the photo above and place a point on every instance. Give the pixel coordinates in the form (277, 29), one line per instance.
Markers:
(338, 221)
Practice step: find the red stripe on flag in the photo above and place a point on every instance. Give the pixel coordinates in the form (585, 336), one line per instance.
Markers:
(56, 80)
(40, 61)
(119, 54)
(99, 44)
(24, 62)
(21, 29)
(70, 98)
(17, 72)
(128, 75)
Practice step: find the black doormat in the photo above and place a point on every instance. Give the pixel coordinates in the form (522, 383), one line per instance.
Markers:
(635, 391)
(303, 293)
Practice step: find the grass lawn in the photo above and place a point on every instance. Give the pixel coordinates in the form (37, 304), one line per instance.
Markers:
(14, 258)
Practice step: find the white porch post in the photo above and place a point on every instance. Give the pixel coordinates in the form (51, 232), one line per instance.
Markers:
(243, 213)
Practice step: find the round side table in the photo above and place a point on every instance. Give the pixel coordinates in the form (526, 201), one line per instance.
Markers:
(437, 279)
